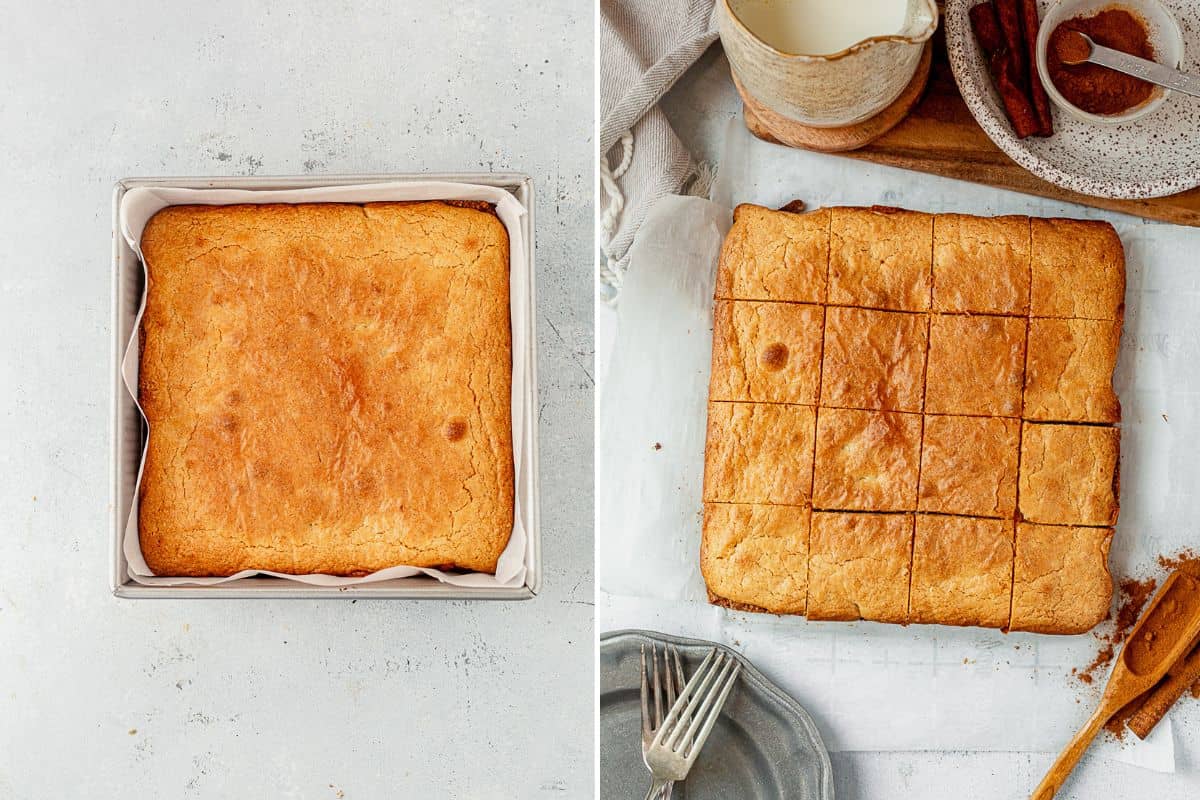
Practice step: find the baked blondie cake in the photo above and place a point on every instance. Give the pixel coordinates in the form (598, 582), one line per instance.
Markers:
(327, 388)
(912, 418)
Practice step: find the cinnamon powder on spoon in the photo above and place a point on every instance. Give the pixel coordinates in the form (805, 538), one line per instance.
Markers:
(1091, 87)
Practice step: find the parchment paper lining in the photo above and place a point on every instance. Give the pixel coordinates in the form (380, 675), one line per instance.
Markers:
(140, 204)
(870, 686)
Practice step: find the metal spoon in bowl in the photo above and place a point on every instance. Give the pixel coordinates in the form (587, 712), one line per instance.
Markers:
(1079, 48)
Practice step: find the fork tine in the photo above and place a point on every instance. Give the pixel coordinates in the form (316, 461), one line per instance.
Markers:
(645, 695)
(699, 697)
(710, 709)
(679, 707)
(679, 681)
(658, 700)
(715, 712)
(681, 703)
(669, 678)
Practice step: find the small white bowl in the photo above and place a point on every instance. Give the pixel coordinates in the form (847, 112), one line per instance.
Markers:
(1165, 36)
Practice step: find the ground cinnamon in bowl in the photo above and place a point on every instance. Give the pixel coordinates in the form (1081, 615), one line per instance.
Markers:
(1091, 87)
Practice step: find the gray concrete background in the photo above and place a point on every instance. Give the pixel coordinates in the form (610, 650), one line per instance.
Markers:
(283, 699)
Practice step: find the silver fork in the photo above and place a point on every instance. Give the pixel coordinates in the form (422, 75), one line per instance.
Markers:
(687, 725)
(672, 678)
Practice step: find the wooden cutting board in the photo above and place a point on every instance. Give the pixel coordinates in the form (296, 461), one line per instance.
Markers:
(941, 137)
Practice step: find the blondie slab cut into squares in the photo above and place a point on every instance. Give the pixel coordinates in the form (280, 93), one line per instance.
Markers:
(963, 387)
(328, 389)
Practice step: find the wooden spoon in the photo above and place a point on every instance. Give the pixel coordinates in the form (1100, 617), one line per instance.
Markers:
(1161, 637)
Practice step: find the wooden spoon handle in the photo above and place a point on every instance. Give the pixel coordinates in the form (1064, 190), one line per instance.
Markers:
(1071, 754)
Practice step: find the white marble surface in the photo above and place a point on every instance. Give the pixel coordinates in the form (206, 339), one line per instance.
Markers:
(106, 698)
(700, 107)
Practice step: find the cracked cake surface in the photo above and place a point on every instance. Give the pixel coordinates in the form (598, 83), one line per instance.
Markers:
(1061, 582)
(859, 566)
(328, 388)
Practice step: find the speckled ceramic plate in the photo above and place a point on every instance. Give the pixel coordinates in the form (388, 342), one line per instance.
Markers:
(763, 746)
(1152, 157)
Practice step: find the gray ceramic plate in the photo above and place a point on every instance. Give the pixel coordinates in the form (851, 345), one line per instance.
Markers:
(763, 746)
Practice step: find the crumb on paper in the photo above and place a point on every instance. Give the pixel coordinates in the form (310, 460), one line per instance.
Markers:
(658, 445)
(133, 731)
(1164, 416)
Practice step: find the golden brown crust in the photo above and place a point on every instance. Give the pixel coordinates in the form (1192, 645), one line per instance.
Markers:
(961, 571)
(766, 351)
(759, 453)
(873, 359)
(1069, 474)
(880, 258)
(859, 566)
(774, 255)
(328, 389)
(1061, 582)
(724, 602)
(756, 555)
(1078, 270)
(969, 466)
(866, 460)
(976, 365)
(981, 264)
(1069, 373)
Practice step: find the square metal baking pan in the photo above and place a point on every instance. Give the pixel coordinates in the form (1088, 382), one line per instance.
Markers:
(127, 428)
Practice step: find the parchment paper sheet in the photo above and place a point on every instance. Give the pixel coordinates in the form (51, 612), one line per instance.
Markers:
(880, 687)
(140, 204)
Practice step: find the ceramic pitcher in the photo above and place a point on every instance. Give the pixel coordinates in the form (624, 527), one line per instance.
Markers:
(827, 90)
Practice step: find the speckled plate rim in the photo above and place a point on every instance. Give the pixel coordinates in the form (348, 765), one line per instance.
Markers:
(976, 88)
(750, 675)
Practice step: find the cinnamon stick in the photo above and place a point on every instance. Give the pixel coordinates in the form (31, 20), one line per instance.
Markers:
(1164, 695)
(1037, 92)
(1009, 17)
(992, 41)
(987, 28)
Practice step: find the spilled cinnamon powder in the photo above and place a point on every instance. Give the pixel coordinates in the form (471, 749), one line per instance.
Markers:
(1186, 561)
